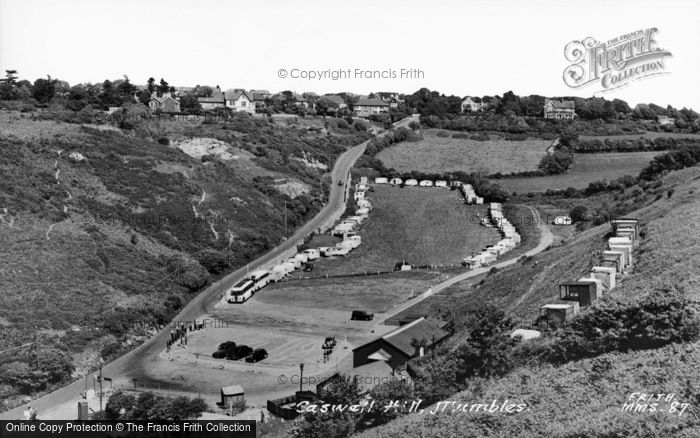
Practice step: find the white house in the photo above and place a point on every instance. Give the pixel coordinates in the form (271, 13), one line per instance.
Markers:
(239, 100)
(472, 104)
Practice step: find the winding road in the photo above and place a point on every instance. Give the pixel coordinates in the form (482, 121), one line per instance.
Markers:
(147, 353)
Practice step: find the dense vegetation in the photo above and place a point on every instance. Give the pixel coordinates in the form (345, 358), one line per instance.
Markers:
(150, 406)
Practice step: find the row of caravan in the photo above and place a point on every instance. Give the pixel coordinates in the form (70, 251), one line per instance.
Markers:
(246, 288)
(412, 182)
(601, 279)
(470, 195)
(509, 240)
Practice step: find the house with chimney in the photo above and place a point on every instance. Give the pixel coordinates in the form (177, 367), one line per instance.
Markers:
(165, 103)
(239, 100)
(559, 109)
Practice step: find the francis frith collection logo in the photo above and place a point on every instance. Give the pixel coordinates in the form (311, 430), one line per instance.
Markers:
(614, 63)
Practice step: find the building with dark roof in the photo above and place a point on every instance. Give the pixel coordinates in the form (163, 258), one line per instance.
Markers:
(398, 346)
(559, 109)
(367, 106)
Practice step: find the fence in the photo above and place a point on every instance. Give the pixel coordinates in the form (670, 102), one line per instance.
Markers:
(369, 273)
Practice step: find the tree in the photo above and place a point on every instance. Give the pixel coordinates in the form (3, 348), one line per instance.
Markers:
(119, 405)
(190, 104)
(384, 395)
(487, 350)
(151, 85)
(334, 424)
(44, 89)
(144, 96)
(579, 213)
(163, 87)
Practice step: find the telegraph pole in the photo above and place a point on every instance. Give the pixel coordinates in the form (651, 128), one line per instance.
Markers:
(285, 220)
(101, 384)
(301, 376)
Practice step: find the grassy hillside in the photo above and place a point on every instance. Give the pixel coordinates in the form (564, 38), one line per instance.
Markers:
(439, 154)
(105, 234)
(586, 169)
(423, 226)
(579, 399)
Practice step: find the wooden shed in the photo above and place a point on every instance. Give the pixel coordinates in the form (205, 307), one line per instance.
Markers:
(232, 396)
(560, 312)
(582, 292)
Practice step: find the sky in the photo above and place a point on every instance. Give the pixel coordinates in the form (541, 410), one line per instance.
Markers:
(461, 48)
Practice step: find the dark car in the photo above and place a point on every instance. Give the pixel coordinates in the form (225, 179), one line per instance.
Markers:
(361, 315)
(258, 355)
(308, 267)
(219, 354)
(340, 183)
(240, 352)
(224, 350)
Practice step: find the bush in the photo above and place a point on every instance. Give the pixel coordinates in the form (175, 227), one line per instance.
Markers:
(443, 134)
(657, 319)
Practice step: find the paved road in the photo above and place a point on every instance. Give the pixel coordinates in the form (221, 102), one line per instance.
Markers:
(546, 239)
(140, 358)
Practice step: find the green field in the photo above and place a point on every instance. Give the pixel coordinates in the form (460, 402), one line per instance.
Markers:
(423, 226)
(436, 154)
(373, 293)
(586, 169)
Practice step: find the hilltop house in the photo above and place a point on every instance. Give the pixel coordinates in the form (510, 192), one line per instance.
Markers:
(559, 109)
(472, 104)
(301, 101)
(239, 100)
(399, 345)
(391, 98)
(259, 97)
(165, 103)
(665, 120)
(216, 100)
(336, 100)
(366, 107)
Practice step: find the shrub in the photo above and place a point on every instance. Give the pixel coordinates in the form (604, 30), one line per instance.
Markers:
(657, 319)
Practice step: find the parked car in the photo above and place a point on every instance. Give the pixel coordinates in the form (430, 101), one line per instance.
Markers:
(308, 267)
(361, 315)
(340, 183)
(240, 352)
(220, 354)
(224, 350)
(258, 355)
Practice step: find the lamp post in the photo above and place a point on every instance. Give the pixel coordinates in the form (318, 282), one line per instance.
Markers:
(301, 375)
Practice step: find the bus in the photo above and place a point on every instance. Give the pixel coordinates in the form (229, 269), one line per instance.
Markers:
(260, 278)
(241, 291)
